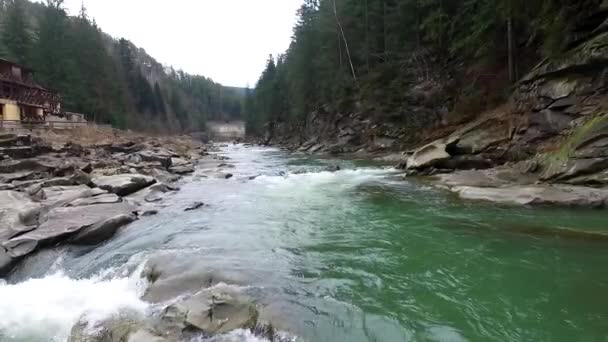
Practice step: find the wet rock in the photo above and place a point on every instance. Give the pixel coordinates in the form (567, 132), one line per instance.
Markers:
(18, 214)
(148, 213)
(216, 310)
(195, 206)
(170, 277)
(102, 231)
(146, 336)
(333, 168)
(227, 175)
(6, 262)
(164, 176)
(178, 162)
(123, 185)
(118, 328)
(556, 195)
(63, 222)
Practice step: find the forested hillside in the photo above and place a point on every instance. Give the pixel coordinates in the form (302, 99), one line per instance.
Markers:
(109, 80)
(411, 64)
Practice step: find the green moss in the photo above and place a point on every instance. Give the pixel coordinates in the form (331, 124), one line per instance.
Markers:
(578, 136)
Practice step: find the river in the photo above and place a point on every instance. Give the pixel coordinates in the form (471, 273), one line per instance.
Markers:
(355, 255)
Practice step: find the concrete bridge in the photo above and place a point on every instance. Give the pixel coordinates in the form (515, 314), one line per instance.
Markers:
(226, 130)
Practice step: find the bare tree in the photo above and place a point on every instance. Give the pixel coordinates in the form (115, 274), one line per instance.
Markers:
(350, 61)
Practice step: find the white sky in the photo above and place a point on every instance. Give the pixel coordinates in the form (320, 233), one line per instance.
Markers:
(227, 40)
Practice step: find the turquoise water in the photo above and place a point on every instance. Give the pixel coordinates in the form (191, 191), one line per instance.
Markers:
(362, 255)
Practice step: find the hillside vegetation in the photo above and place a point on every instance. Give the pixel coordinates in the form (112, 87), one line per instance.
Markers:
(109, 80)
(411, 64)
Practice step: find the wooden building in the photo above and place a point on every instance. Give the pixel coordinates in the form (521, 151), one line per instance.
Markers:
(22, 100)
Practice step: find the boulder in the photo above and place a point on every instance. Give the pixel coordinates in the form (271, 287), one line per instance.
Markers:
(169, 277)
(63, 222)
(216, 310)
(194, 206)
(117, 328)
(102, 231)
(56, 196)
(178, 161)
(145, 336)
(12, 166)
(104, 198)
(182, 170)
(553, 195)
(124, 184)
(18, 214)
(160, 155)
(430, 155)
(6, 262)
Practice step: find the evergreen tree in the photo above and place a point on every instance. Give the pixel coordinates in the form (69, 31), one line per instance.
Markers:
(16, 38)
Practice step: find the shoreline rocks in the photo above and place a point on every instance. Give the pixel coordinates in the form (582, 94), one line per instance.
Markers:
(82, 195)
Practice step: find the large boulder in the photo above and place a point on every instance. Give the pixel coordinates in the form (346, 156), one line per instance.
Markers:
(124, 184)
(17, 214)
(216, 310)
(430, 155)
(63, 222)
(550, 195)
(117, 328)
(102, 231)
(159, 155)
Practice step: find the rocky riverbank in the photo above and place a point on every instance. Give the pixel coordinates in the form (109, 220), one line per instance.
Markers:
(547, 146)
(63, 189)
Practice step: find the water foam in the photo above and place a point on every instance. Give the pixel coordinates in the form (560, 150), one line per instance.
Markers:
(46, 309)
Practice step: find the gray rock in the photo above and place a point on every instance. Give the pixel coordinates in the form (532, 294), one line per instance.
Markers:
(178, 161)
(429, 155)
(160, 155)
(102, 231)
(217, 310)
(194, 206)
(6, 262)
(118, 328)
(316, 148)
(18, 214)
(64, 222)
(57, 196)
(182, 170)
(123, 185)
(145, 336)
(556, 195)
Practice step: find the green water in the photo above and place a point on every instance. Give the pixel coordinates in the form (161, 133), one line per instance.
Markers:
(361, 255)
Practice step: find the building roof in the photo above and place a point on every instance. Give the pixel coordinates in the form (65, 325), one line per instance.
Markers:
(22, 67)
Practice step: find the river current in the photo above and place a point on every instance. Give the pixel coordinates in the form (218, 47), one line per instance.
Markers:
(354, 255)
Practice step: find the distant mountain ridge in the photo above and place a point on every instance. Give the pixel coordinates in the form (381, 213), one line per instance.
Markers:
(109, 80)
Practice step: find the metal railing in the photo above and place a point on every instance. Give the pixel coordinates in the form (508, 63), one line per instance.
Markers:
(14, 124)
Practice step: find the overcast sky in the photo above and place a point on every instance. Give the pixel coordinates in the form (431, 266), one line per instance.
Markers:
(227, 40)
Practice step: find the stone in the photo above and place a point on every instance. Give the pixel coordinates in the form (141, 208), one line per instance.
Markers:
(17, 214)
(56, 196)
(170, 277)
(148, 213)
(102, 231)
(550, 195)
(145, 336)
(162, 156)
(182, 170)
(124, 184)
(6, 262)
(178, 161)
(12, 166)
(430, 155)
(333, 168)
(216, 310)
(63, 222)
(194, 206)
(562, 170)
(104, 198)
(117, 328)
(17, 176)
(316, 148)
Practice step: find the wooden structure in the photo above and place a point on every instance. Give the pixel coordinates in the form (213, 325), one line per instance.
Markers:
(22, 99)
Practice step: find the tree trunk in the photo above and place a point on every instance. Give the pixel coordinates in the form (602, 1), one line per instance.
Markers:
(511, 56)
(367, 49)
(350, 60)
